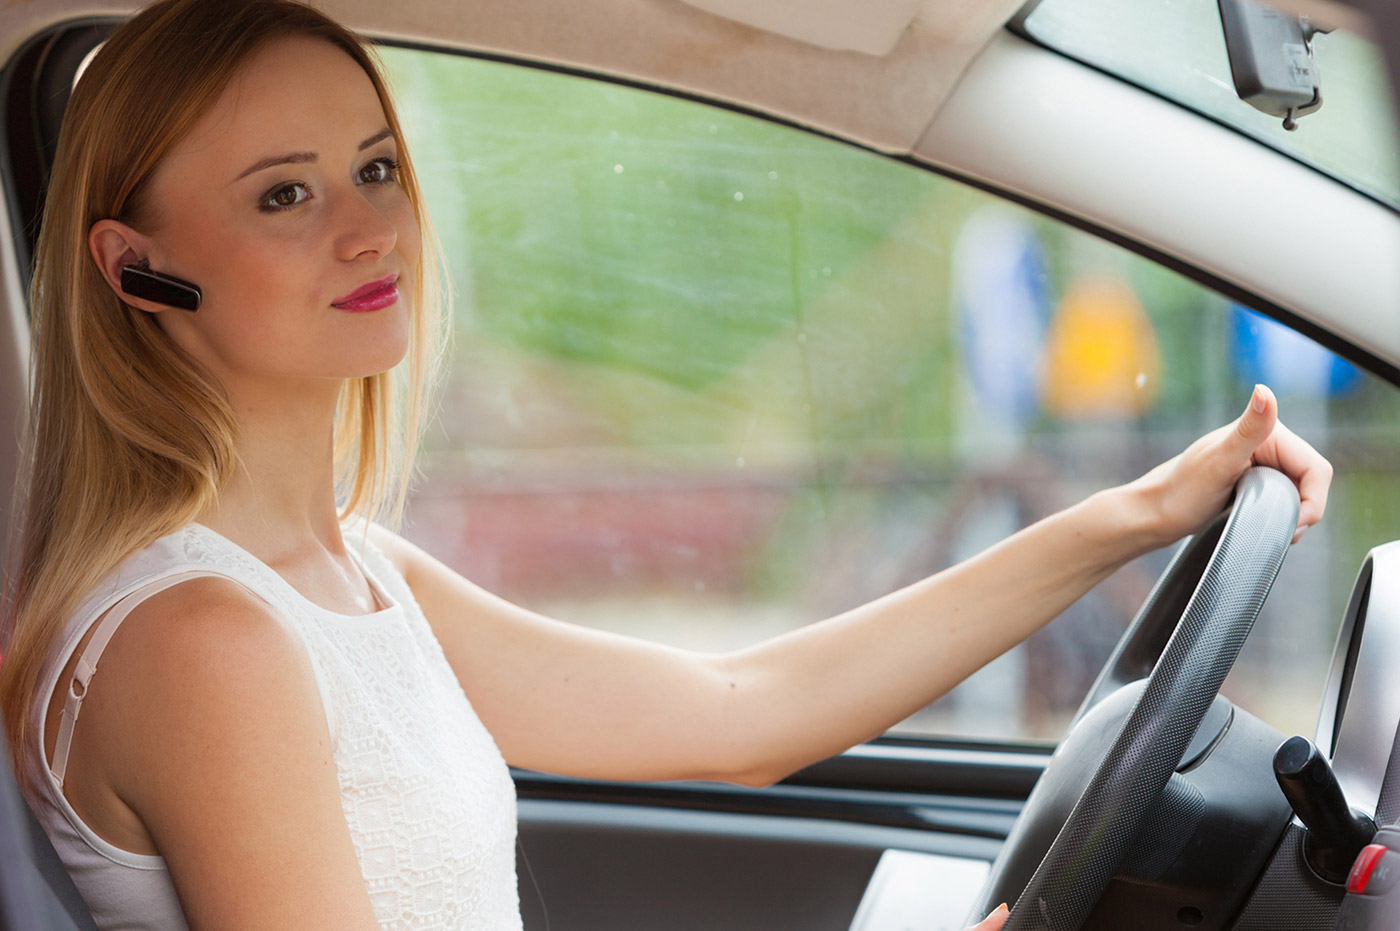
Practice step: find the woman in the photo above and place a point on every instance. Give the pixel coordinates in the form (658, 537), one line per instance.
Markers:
(279, 736)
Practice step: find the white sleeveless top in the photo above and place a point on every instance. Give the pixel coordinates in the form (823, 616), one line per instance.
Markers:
(427, 796)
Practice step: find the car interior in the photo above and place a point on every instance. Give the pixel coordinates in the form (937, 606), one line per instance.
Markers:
(767, 308)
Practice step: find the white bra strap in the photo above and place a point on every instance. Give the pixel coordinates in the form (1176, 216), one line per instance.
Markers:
(87, 661)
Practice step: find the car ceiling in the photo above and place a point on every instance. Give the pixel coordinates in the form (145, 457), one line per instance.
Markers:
(875, 72)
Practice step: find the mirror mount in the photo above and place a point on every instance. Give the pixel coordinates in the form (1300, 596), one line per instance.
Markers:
(1272, 60)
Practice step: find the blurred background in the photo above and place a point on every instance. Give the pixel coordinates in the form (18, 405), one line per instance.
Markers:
(715, 378)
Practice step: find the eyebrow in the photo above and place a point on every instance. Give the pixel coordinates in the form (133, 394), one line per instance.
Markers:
(294, 158)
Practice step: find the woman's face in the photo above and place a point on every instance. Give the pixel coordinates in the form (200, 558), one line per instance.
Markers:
(281, 203)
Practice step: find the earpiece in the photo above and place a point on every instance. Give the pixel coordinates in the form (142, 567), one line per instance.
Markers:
(139, 281)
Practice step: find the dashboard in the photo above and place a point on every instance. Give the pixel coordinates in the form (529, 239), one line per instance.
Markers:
(1360, 711)
(1358, 723)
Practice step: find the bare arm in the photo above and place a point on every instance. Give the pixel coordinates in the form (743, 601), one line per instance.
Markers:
(881, 662)
(576, 701)
(206, 720)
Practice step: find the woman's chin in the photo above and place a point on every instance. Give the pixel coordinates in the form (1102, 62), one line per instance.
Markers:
(383, 362)
(382, 352)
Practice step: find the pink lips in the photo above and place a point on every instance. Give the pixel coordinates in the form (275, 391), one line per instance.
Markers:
(373, 296)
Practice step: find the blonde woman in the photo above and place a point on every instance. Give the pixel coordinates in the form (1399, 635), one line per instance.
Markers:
(302, 721)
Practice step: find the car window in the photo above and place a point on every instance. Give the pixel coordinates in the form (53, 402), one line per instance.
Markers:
(714, 378)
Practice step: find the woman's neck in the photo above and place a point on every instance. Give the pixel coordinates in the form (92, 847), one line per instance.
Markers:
(281, 496)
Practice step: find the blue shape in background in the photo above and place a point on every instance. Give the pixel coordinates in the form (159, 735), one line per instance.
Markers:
(1263, 350)
(1003, 301)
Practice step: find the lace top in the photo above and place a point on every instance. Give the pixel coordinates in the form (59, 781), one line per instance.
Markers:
(426, 794)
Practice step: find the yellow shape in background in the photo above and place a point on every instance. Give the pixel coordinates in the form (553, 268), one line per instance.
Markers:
(1101, 356)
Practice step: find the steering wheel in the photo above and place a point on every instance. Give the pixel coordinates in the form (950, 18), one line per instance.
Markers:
(1216, 585)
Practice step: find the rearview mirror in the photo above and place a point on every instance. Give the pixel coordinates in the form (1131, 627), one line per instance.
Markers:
(1271, 59)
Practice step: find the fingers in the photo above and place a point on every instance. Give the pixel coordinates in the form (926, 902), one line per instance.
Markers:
(1195, 485)
(994, 921)
(1257, 422)
(1284, 450)
(1308, 468)
(1311, 472)
(1312, 494)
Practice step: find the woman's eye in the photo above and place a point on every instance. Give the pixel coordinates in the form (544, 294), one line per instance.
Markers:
(285, 198)
(380, 171)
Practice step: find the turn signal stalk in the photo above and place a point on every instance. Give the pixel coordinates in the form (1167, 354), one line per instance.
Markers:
(1336, 833)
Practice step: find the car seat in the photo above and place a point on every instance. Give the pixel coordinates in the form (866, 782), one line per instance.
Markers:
(36, 892)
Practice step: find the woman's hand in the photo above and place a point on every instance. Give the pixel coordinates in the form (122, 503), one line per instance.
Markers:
(992, 922)
(1187, 491)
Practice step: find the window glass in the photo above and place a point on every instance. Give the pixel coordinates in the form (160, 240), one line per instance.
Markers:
(714, 379)
(1177, 48)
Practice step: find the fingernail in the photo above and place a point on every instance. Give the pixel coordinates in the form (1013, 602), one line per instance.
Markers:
(1000, 908)
(1257, 401)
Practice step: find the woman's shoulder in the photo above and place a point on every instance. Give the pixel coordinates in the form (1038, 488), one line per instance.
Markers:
(199, 624)
(206, 719)
(200, 649)
(183, 665)
(197, 638)
(191, 548)
(196, 634)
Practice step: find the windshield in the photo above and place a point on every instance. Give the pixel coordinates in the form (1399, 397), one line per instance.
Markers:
(1176, 48)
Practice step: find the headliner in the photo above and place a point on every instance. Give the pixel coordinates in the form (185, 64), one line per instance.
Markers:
(875, 72)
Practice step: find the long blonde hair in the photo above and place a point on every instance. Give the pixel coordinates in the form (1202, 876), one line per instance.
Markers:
(128, 438)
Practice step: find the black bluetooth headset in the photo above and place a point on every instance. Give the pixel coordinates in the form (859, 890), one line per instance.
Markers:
(139, 281)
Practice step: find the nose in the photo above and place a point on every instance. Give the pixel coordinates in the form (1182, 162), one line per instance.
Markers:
(364, 227)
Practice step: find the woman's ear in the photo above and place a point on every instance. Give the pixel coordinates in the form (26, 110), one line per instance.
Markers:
(113, 245)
